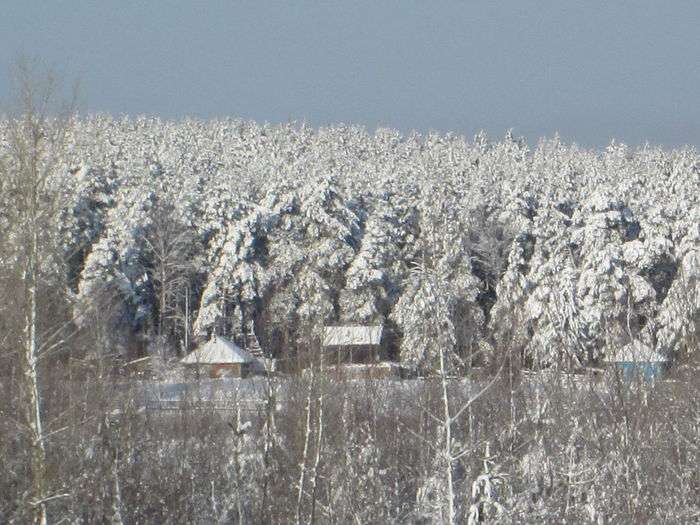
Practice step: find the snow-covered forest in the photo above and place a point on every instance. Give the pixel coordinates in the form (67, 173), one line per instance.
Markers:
(571, 252)
(136, 236)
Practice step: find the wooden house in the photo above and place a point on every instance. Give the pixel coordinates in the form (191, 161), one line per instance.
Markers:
(353, 344)
(220, 357)
(636, 360)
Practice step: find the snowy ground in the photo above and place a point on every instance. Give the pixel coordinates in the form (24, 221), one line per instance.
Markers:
(250, 394)
(217, 393)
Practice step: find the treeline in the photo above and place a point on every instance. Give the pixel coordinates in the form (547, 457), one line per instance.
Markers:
(173, 230)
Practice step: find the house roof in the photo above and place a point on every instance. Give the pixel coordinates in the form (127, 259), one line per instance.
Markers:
(635, 353)
(352, 335)
(218, 350)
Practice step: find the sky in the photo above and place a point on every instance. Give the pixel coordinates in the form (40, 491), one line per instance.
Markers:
(589, 70)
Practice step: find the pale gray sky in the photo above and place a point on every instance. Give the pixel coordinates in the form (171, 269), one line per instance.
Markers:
(592, 70)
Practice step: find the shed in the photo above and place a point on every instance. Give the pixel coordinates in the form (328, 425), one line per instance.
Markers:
(220, 357)
(638, 360)
(354, 344)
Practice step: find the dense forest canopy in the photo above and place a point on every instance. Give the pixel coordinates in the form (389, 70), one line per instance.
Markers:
(567, 253)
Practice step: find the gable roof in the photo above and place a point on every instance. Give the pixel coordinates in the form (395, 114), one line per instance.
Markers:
(352, 335)
(218, 350)
(635, 353)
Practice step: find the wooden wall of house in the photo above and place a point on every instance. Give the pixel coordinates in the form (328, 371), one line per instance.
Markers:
(353, 354)
(217, 371)
(228, 370)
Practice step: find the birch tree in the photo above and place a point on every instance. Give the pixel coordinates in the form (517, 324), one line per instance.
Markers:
(169, 246)
(31, 188)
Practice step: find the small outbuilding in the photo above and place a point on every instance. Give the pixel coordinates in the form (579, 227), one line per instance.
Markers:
(637, 360)
(354, 344)
(220, 357)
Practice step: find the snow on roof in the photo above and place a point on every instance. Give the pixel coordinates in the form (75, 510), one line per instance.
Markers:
(352, 335)
(218, 350)
(635, 353)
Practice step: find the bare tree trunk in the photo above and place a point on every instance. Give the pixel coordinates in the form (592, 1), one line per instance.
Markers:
(447, 429)
(31, 386)
(187, 318)
(116, 488)
(319, 443)
(270, 431)
(163, 293)
(305, 451)
(238, 436)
